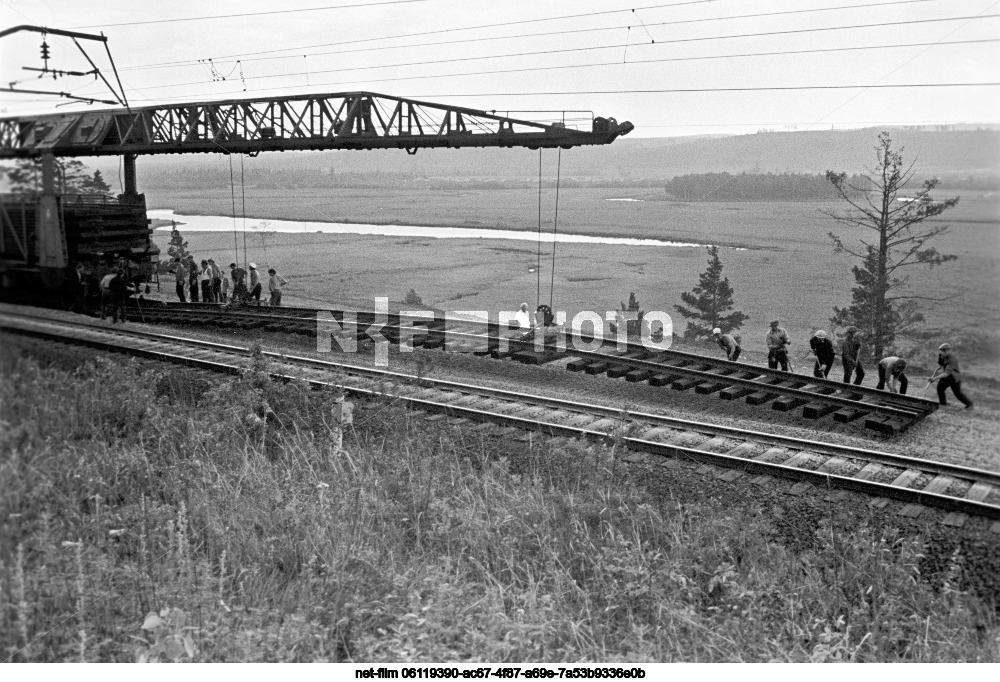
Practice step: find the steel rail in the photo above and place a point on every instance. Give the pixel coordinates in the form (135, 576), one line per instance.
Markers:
(831, 481)
(805, 445)
(920, 406)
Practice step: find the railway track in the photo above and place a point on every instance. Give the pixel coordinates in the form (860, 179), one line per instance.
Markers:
(880, 412)
(728, 452)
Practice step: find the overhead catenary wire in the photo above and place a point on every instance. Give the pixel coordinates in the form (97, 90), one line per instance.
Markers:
(615, 46)
(665, 59)
(255, 14)
(456, 30)
(298, 51)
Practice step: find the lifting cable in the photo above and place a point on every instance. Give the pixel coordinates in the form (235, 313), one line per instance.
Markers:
(555, 229)
(232, 190)
(243, 195)
(538, 242)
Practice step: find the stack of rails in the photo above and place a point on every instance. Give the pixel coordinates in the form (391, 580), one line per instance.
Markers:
(881, 412)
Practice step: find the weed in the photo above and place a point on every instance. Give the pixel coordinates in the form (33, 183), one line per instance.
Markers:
(223, 530)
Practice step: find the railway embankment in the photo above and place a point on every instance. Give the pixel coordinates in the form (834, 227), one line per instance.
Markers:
(220, 505)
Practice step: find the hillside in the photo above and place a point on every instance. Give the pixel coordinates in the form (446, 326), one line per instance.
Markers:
(938, 152)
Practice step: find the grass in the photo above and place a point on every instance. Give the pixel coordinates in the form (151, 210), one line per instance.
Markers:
(150, 517)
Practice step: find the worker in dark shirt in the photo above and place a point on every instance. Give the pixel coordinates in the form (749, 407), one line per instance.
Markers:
(728, 343)
(850, 356)
(120, 290)
(822, 348)
(777, 352)
(950, 376)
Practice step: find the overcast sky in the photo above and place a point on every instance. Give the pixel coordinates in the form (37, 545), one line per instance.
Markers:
(631, 60)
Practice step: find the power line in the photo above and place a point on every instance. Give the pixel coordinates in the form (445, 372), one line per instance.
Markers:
(249, 57)
(757, 88)
(466, 28)
(603, 47)
(253, 14)
(660, 60)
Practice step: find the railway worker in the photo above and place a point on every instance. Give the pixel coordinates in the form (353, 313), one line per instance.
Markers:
(216, 281)
(205, 279)
(728, 343)
(950, 376)
(254, 283)
(225, 286)
(240, 293)
(522, 317)
(890, 370)
(105, 287)
(777, 347)
(78, 290)
(193, 273)
(822, 348)
(120, 290)
(850, 356)
(274, 284)
(181, 275)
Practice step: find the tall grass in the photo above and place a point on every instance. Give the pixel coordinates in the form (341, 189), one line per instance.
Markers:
(148, 518)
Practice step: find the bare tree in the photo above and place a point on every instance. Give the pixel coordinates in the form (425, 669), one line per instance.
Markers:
(881, 307)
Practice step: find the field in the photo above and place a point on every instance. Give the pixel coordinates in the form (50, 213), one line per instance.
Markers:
(777, 255)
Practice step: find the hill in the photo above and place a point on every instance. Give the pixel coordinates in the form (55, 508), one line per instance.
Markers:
(945, 153)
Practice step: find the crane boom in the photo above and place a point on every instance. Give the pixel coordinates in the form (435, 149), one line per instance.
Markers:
(351, 120)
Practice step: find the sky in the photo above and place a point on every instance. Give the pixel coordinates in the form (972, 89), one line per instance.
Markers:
(685, 67)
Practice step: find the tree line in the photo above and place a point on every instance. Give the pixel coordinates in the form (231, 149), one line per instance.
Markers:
(72, 177)
(754, 187)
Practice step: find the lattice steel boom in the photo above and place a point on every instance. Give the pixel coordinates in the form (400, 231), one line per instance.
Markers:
(353, 120)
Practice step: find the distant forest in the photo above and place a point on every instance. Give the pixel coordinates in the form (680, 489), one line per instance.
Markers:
(755, 187)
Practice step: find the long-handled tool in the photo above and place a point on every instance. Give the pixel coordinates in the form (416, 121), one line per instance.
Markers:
(931, 380)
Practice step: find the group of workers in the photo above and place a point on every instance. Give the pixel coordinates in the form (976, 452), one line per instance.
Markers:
(891, 369)
(218, 289)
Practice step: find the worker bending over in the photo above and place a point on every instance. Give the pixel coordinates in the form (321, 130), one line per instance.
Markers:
(890, 370)
(728, 343)
(822, 348)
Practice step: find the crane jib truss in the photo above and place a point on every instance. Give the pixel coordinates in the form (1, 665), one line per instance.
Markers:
(353, 120)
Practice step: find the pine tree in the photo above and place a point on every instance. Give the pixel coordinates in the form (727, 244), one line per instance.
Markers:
(25, 177)
(881, 307)
(178, 247)
(632, 317)
(94, 185)
(709, 301)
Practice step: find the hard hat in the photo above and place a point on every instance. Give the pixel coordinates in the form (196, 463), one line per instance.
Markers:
(716, 331)
(820, 334)
(253, 266)
(944, 346)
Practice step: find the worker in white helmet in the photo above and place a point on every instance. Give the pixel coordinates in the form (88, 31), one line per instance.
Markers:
(729, 343)
(822, 348)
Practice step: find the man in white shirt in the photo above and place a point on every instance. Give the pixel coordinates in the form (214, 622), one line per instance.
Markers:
(522, 317)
